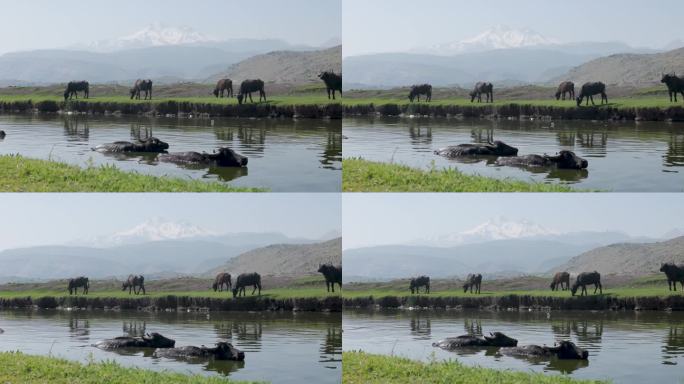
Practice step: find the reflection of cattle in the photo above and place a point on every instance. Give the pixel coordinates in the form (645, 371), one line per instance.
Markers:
(473, 281)
(674, 273)
(142, 86)
(333, 82)
(566, 87)
(587, 278)
(480, 88)
(134, 282)
(74, 87)
(79, 282)
(332, 274)
(245, 280)
(224, 85)
(589, 90)
(561, 279)
(423, 89)
(674, 84)
(420, 281)
(249, 86)
(222, 279)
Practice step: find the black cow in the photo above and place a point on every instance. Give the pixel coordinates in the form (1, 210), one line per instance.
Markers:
(333, 82)
(587, 278)
(79, 282)
(332, 274)
(674, 84)
(565, 87)
(420, 281)
(222, 279)
(562, 280)
(674, 273)
(589, 90)
(74, 87)
(135, 283)
(244, 280)
(141, 86)
(480, 88)
(249, 86)
(422, 89)
(224, 85)
(473, 280)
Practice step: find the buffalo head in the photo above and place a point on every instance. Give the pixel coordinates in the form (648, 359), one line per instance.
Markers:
(567, 350)
(240, 98)
(153, 144)
(569, 160)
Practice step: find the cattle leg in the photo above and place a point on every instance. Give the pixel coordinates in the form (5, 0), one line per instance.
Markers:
(333, 287)
(142, 287)
(250, 97)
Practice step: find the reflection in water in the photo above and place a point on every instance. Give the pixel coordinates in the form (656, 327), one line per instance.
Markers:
(420, 326)
(597, 140)
(140, 131)
(673, 345)
(482, 135)
(134, 328)
(76, 129)
(420, 136)
(674, 157)
(79, 328)
(566, 138)
(472, 326)
(333, 151)
(331, 347)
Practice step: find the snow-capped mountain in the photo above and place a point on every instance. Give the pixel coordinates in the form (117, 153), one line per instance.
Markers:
(155, 229)
(154, 35)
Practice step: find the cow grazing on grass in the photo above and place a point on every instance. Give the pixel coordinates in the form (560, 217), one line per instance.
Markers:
(74, 87)
(135, 283)
(333, 82)
(222, 279)
(423, 89)
(589, 90)
(674, 273)
(79, 282)
(480, 88)
(224, 85)
(141, 86)
(562, 280)
(473, 281)
(245, 280)
(249, 86)
(332, 274)
(674, 85)
(566, 87)
(587, 278)
(420, 281)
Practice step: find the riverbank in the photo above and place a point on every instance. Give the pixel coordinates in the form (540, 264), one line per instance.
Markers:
(361, 367)
(20, 174)
(26, 369)
(360, 175)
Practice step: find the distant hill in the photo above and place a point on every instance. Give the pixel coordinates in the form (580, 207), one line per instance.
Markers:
(627, 259)
(628, 69)
(284, 259)
(285, 66)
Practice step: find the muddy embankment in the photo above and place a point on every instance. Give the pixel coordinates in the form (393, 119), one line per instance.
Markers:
(177, 303)
(176, 109)
(522, 302)
(519, 111)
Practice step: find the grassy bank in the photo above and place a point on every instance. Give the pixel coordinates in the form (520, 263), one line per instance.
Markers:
(365, 176)
(20, 174)
(360, 367)
(25, 369)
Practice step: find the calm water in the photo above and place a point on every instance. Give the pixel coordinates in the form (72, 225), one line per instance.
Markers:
(626, 347)
(284, 155)
(279, 347)
(623, 156)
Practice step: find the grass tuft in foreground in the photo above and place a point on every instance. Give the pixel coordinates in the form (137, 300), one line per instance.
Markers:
(20, 174)
(25, 369)
(365, 176)
(360, 367)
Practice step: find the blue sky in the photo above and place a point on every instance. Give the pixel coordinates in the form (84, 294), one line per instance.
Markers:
(374, 219)
(31, 24)
(43, 219)
(398, 25)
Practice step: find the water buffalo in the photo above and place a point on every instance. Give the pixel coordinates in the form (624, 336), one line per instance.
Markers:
(333, 82)
(674, 84)
(566, 350)
(496, 339)
(245, 280)
(423, 89)
(564, 160)
(589, 90)
(224, 85)
(480, 88)
(222, 351)
(332, 274)
(420, 281)
(225, 157)
(587, 278)
(497, 148)
(135, 283)
(153, 340)
(566, 87)
(74, 87)
(674, 273)
(141, 86)
(562, 280)
(78, 282)
(149, 145)
(2, 134)
(473, 280)
(249, 86)
(221, 279)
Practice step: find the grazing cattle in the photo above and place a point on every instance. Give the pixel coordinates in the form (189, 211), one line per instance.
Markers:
(566, 87)
(587, 278)
(142, 86)
(420, 281)
(245, 280)
(589, 90)
(249, 86)
(135, 283)
(423, 89)
(79, 282)
(225, 157)
(221, 279)
(473, 280)
(674, 84)
(674, 273)
(497, 148)
(333, 82)
(332, 274)
(74, 87)
(496, 339)
(224, 85)
(562, 280)
(480, 88)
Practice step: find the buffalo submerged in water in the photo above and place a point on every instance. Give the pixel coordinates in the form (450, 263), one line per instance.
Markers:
(153, 340)
(224, 157)
(564, 160)
(495, 339)
(151, 144)
(222, 351)
(565, 350)
(497, 148)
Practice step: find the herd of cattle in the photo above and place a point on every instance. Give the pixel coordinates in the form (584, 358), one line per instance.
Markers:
(560, 282)
(136, 284)
(333, 83)
(674, 85)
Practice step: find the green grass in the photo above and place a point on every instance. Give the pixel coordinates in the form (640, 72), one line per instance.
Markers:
(19, 368)
(20, 174)
(365, 176)
(613, 292)
(299, 99)
(360, 367)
